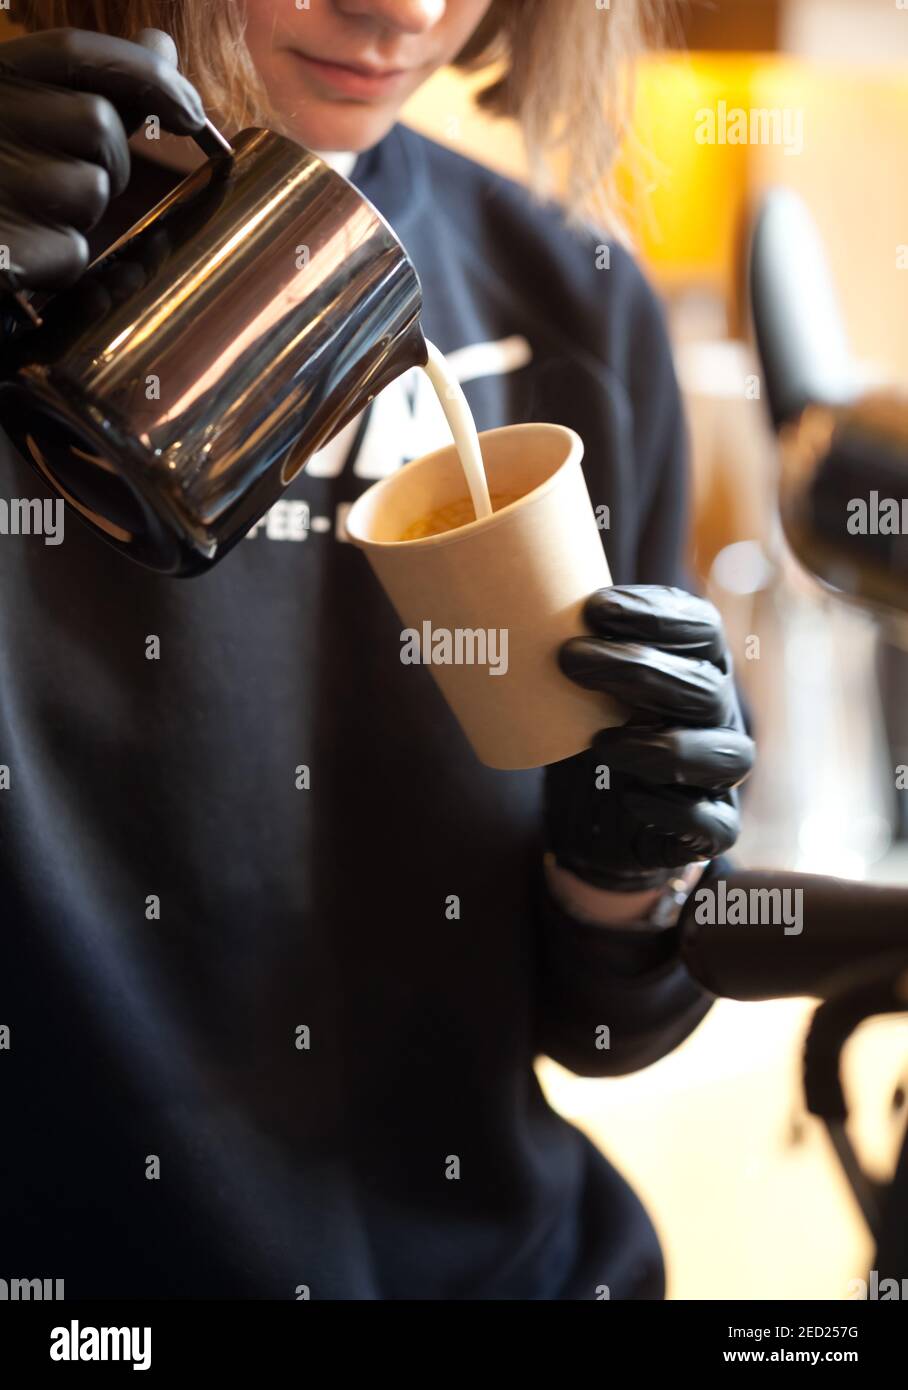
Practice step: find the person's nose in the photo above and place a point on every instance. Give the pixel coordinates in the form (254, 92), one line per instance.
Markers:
(407, 16)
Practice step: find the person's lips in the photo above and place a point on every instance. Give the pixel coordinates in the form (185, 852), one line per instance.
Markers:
(355, 79)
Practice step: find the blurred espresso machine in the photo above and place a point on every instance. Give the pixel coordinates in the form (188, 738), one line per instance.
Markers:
(843, 504)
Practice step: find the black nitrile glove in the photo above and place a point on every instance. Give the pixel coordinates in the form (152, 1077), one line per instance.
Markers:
(673, 766)
(68, 99)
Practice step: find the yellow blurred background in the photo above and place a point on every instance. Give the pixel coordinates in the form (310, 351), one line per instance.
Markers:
(689, 208)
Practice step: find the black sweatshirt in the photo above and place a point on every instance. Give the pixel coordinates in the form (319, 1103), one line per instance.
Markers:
(249, 1054)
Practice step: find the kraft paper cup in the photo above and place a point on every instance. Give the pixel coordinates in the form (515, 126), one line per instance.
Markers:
(525, 571)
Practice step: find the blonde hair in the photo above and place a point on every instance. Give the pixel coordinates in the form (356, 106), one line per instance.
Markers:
(562, 71)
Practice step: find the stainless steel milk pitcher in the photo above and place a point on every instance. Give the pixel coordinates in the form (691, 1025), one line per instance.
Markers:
(177, 388)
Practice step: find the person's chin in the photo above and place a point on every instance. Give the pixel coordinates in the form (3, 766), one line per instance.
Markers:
(342, 126)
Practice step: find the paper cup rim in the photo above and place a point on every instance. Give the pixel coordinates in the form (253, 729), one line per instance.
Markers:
(574, 451)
